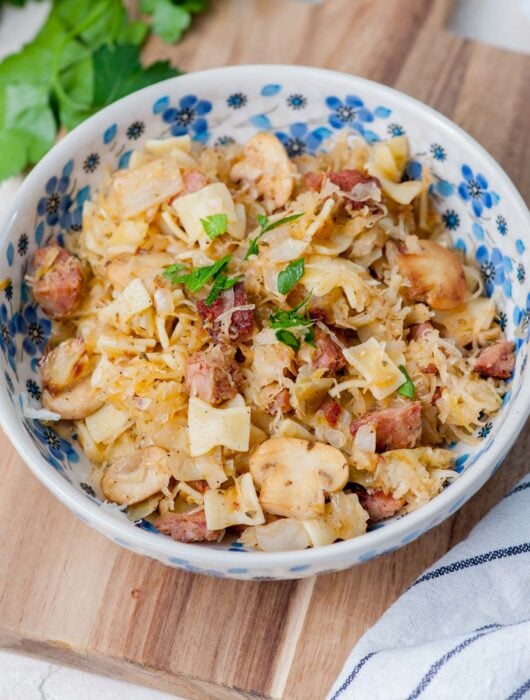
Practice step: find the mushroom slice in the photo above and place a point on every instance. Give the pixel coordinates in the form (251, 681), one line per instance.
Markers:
(267, 169)
(136, 476)
(293, 475)
(64, 365)
(435, 275)
(73, 404)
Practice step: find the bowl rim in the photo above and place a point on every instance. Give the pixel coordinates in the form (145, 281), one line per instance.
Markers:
(152, 544)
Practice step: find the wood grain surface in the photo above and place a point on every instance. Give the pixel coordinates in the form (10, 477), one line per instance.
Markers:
(68, 594)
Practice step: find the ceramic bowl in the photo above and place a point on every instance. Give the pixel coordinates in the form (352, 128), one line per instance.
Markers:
(480, 208)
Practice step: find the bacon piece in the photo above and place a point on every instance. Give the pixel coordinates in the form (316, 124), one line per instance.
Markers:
(213, 375)
(430, 369)
(188, 527)
(328, 353)
(418, 330)
(395, 428)
(241, 322)
(331, 410)
(497, 360)
(378, 505)
(59, 281)
(194, 180)
(280, 403)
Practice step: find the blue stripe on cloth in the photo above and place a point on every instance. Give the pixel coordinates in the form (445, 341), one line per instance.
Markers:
(521, 487)
(494, 555)
(431, 673)
(520, 692)
(352, 675)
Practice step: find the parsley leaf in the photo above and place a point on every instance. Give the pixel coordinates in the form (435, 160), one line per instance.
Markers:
(86, 55)
(215, 225)
(291, 275)
(197, 278)
(282, 320)
(267, 225)
(291, 319)
(118, 72)
(288, 338)
(172, 272)
(407, 388)
(171, 18)
(221, 283)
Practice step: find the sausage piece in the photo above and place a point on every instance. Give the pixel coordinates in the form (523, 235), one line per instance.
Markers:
(59, 281)
(328, 353)
(497, 360)
(241, 322)
(188, 527)
(395, 428)
(378, 505)
(344, 179)
(213, 375)
(418, 330)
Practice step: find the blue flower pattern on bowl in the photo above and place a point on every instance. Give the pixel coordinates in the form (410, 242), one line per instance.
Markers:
(56, 202)
(300, 140)
(475, 189)
(189, 118)
(35, 329)
(495, 268)
(24, 332)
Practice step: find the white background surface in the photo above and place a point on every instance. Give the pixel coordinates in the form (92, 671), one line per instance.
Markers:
(23, 678)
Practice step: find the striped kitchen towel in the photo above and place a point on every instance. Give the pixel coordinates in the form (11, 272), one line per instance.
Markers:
(462, 630)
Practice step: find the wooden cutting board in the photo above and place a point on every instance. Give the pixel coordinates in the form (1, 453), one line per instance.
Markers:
(68, 594)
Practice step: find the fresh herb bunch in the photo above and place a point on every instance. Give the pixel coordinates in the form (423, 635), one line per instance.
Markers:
(86, 56)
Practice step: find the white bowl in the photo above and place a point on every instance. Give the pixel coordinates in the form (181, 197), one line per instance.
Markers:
(304, 106)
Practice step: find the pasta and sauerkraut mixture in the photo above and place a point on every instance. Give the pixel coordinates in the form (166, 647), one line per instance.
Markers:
(267, 349)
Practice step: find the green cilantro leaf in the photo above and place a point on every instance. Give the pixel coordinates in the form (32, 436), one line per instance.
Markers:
(221, 283)
(215, 225)
(291, 275)
(407, 388)
(265, 226)
(288, 338)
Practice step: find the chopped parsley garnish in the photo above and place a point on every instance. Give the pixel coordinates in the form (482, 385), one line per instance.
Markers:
(288, 338)
(195, 280)
(221, 283)
(291, 275)
(281, 320)
(406, 389)
(215, 225)
(266, 226)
